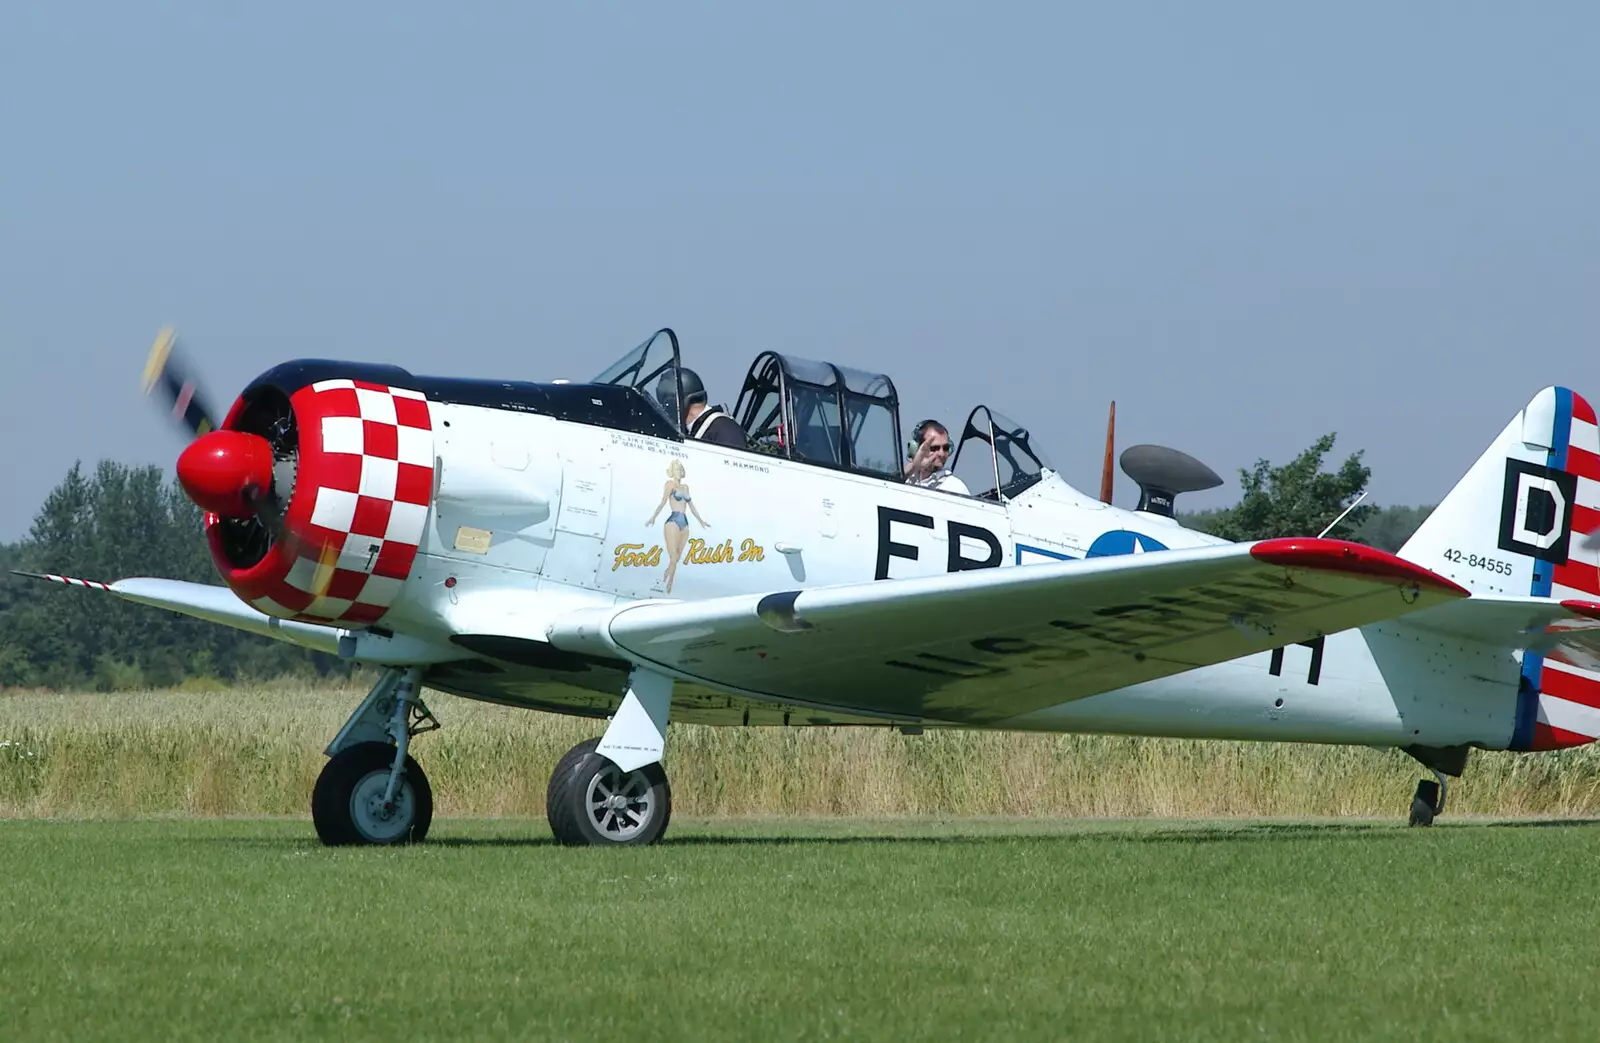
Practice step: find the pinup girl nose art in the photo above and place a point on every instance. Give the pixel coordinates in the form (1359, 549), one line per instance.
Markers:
(675, 533)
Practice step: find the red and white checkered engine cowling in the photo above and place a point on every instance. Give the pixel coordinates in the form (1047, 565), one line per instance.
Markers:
(360, 506)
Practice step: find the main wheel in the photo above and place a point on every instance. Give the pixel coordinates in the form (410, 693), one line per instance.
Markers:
(1425, 804)
(591, 801)
(347, 803)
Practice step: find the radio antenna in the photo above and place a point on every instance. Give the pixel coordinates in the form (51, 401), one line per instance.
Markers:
(1339, 519)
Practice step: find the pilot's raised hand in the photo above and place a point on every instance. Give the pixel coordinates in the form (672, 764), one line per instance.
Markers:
(921, 462)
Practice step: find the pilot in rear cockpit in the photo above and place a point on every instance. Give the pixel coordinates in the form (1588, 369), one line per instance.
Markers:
(703, 422)
(929, 466)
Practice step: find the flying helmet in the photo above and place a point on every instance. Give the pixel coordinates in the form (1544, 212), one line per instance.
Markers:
(694, 390)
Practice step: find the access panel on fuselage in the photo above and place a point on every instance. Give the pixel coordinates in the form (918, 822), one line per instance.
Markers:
(499, 487)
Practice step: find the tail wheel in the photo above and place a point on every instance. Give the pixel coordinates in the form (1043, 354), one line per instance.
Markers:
(591, 801)
(347, 805)
(1425, 805)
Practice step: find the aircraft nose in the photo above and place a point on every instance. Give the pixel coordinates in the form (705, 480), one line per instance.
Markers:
(218, 467)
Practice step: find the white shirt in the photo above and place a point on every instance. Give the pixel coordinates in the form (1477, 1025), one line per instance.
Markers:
(945, 482)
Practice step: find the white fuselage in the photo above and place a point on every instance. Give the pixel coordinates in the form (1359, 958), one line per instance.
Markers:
(533, 517)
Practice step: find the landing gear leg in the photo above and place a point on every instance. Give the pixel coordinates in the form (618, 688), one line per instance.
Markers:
(371, 791)
(613, 790)
(1428, 801)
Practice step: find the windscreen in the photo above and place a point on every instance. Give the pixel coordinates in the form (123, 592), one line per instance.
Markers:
(652, 367)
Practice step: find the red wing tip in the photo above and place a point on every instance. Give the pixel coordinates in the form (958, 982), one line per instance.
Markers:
(1587, 609)
(1310, 552)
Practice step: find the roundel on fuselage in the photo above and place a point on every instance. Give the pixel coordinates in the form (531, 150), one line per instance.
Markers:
(1123, 541)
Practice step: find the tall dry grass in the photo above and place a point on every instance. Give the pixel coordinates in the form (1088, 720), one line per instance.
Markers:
(257, 751)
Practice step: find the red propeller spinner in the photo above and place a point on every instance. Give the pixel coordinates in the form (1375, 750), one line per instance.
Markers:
(223, 470)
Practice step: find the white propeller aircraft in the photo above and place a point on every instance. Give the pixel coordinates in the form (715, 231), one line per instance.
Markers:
(564, 547)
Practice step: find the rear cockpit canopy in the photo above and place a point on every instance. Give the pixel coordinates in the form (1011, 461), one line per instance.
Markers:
(996, 459)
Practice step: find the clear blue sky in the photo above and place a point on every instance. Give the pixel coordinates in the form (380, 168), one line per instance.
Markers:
(1249, 224)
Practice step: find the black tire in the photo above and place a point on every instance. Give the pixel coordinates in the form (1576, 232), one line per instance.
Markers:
(352, 774)
(567, 801)
(1425, 804)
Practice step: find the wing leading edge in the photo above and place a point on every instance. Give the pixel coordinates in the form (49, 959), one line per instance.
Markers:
(210, 603)
(984, 646)
(220, 605)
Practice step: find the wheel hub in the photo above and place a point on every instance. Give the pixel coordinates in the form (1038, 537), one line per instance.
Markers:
(376, 818)
(620, 805)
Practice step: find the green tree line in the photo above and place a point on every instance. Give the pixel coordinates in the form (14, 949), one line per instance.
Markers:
(1299, 498)
(108, 524)
(118, 521)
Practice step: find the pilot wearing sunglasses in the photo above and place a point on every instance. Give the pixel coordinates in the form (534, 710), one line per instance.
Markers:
(930, 463)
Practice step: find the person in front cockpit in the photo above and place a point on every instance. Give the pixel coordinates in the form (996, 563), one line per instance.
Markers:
(929, 465)
(703, 422)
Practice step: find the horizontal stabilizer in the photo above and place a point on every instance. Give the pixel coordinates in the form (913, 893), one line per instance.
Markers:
(1541, 625)
(1558, 702)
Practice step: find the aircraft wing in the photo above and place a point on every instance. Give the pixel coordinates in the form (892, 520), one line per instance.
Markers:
(203, 601)
(984, 646)
(220, 605)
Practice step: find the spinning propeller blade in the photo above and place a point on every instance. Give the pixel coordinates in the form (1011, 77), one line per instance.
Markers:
(168, 375)
(228, 473)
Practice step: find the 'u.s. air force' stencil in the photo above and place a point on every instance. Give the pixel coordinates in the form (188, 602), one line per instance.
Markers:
(1536, 511)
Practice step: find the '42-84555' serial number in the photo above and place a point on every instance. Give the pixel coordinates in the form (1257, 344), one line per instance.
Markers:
(1478, 561)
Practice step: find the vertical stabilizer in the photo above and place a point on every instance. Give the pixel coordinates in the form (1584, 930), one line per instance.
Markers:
(1517, 524)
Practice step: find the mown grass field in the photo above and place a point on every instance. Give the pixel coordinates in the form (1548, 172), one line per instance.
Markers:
(257, 751)
(845, 929)
(162, 880)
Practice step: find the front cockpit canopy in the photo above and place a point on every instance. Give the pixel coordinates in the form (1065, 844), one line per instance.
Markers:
(655, 369)
(821, 413)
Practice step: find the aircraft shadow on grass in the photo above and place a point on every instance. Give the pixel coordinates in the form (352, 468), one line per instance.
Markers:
(1207, 833)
